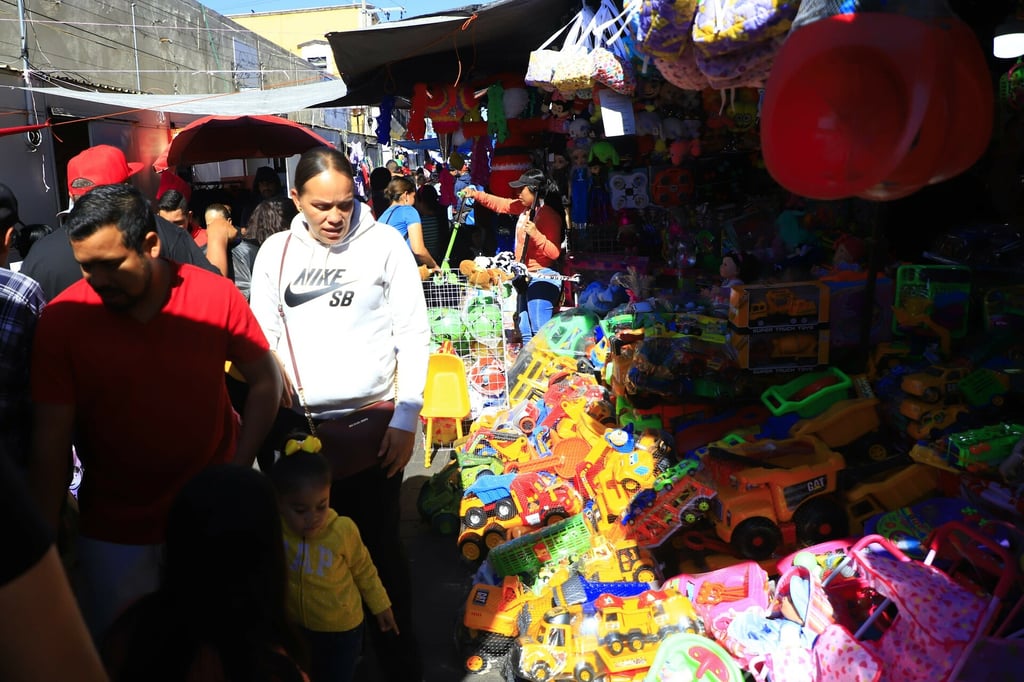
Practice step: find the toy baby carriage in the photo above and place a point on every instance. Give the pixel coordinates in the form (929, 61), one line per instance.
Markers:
(895, 618)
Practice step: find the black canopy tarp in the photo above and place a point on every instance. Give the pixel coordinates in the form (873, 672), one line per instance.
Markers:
(389, 58)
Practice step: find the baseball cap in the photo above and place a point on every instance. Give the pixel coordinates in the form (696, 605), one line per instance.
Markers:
(99, 165)
(169, 181)
(532, 178)
(8, 208)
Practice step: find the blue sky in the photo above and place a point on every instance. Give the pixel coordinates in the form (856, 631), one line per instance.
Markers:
(412, 7)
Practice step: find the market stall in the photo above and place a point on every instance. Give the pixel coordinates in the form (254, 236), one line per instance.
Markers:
(673, 476)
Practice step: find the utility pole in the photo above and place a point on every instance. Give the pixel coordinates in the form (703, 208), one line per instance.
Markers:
(29, 106)
(135, 45)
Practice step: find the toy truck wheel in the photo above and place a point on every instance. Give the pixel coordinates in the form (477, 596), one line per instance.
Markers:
(877, 452)
(472, 548)
(554, 517)
(931, 395)
(504, 509)
(820, 519)
(475, 664)
(630, 486)
(635, 641)
(703, 505)
(756, 538)
(616, 645)
(541, 672)
(493, 538)
(475, 518)
(584, 673)
(645, 574)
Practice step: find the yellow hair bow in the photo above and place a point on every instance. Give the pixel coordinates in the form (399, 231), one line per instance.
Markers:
(309, 444)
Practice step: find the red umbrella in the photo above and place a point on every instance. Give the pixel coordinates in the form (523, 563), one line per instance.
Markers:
(220, 138)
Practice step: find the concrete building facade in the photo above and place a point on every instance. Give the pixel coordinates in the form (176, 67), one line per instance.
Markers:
(169, 47)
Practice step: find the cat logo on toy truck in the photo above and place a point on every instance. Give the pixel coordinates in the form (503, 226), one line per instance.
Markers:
(772, 493)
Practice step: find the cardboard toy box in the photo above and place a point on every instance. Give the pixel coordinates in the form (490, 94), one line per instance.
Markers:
(766, 351)
(846, 306)
(804, 305)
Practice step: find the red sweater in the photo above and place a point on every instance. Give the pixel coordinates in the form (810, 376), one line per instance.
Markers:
(543, 248)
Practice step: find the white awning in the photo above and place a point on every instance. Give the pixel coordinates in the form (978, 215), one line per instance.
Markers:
(262, 102)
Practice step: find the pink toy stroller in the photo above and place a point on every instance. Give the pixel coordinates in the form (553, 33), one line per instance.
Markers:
(922, 624)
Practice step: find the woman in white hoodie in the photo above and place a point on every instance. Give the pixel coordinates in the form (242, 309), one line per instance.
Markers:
(349, 292)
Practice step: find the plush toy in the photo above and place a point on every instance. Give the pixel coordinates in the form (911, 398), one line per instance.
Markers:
(484, 278)
(579, 133)
(605, 152)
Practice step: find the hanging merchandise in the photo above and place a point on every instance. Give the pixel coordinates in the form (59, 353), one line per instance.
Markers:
(828, 79)
(735, 41)
(629, 189)
(497, 124)
(574, 71)
(682, 71)
(724, 26)
(446, 105)
(387, 104)
(663, 27)
(417, 128)
(541, 69)
(612, 65)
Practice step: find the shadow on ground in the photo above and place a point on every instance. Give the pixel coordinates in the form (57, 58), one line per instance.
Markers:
(441, 581)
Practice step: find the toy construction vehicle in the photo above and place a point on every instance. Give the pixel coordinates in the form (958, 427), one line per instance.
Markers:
(498, 507)
(782, 303)
(935, 383)
(772, 493)
(438, 500)
(616, 641)
(677, 500)
(496, 614)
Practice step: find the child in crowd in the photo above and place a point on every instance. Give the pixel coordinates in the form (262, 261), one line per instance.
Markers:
(330, 573)
(219, 612)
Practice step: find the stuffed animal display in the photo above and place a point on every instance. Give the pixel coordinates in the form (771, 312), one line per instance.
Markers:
(483, 277)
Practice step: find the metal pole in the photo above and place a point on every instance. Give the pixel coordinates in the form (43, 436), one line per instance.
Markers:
(29, 106)
(259, 61)
(135, 45)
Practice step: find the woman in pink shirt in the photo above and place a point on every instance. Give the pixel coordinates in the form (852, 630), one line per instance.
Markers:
(539, 234)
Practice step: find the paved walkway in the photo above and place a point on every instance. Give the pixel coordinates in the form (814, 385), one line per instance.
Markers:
(441, 581)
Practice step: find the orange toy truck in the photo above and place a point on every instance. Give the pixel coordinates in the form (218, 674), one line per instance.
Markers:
(774, 492)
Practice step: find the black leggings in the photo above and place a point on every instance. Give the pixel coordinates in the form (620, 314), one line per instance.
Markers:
(372, 501)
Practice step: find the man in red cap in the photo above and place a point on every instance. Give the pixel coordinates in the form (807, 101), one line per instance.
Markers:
(51, 261)
(128, 365)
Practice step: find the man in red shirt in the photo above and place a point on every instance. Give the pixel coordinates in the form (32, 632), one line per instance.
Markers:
(173, 207)
(129, 365)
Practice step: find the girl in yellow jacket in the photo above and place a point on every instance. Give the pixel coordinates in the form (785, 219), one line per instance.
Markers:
(330, 573)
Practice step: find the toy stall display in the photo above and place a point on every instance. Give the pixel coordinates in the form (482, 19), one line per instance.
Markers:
(672, 479)
(467, 314)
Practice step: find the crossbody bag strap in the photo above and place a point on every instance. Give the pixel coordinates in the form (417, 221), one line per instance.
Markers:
(288, 340)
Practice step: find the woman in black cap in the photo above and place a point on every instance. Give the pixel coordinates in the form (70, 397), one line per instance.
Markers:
(538, 244)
